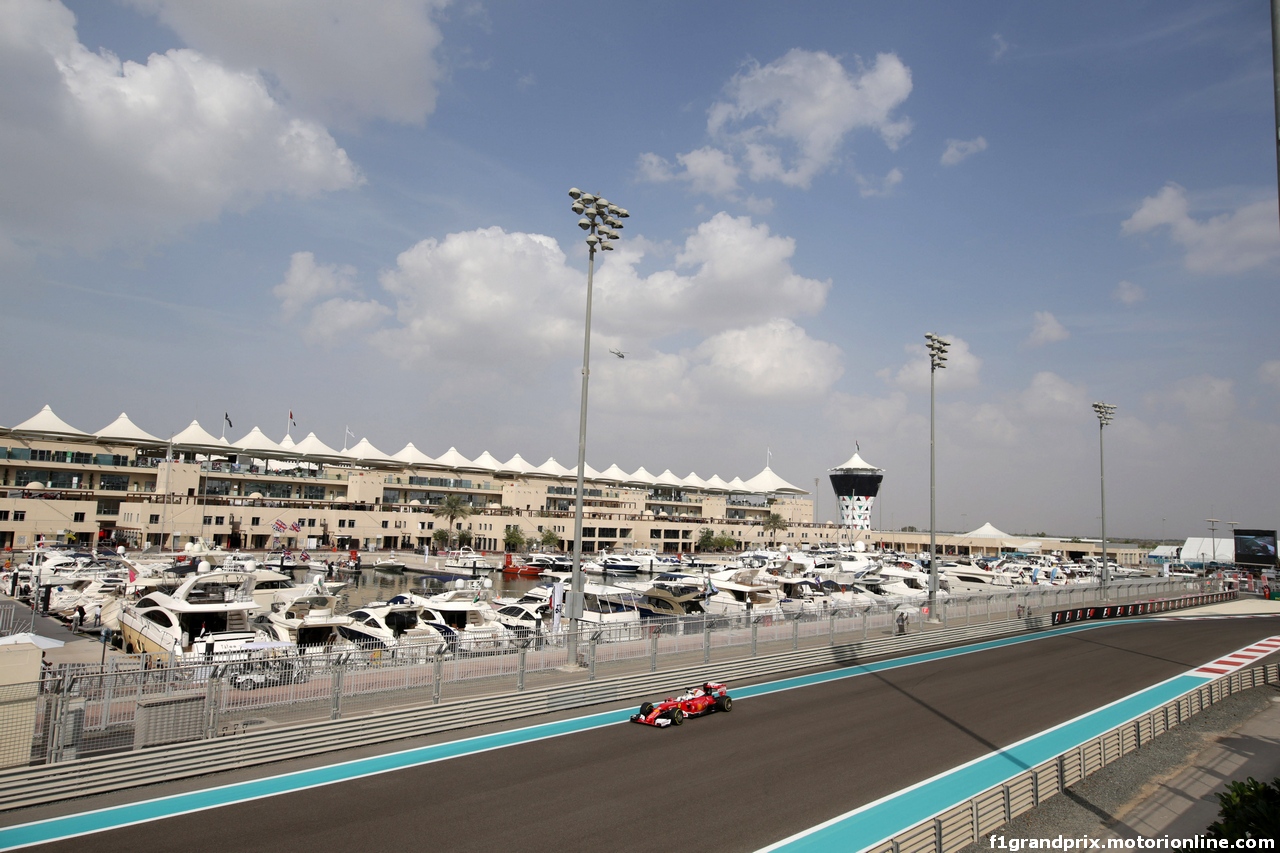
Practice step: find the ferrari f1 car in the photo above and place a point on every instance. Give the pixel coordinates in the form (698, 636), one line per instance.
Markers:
(694, 702)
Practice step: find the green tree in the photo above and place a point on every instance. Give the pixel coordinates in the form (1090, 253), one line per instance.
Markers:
(1249, 809)
(514, 539)
(440, 536)
(452, 509)
(725, 542)
(773, 523)
(464, 538)
(706, 539)
(550, 539)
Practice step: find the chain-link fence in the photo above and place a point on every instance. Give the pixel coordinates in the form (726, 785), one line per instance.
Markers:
(81, 710)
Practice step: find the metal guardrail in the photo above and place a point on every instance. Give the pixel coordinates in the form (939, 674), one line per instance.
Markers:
(977, 817)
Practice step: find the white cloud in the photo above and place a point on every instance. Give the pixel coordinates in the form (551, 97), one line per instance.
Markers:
(960, 149)
(775, 360)
(334, 319)
(95, 150)
(787, 121)
(960, 371)
(999, 47)
(305, 282)
(1046, 330)
(1051, 396)
(340, 62)
(1198, 398)
(1234, 242)
(881, 189)
(1128, 293)
(1269, 373)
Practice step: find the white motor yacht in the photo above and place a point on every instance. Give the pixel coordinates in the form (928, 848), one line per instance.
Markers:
(393, 626)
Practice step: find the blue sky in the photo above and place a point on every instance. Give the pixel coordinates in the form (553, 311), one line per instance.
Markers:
(359, 212)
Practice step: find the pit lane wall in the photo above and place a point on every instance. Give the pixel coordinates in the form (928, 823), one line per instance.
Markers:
(1138, 608)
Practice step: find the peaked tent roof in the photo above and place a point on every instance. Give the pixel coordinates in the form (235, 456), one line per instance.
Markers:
(767, 482)
(517, 465)
(736, 485)
(364, 451)
(716, 484)
(642, 477)
(451, 458)
(196, 436)
(856, 463)
(287, 442)
(45, 421)
(123, 428)
(257, 441)
(591, 473)
(1197, 549)
(552, 468)
(312, 446)
(487, 462)
(411, 455)
(988, 531)
(693, 481)
(613, 474)
(667, 478)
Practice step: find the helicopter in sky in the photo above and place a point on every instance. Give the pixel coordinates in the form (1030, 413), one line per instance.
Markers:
(619, 353)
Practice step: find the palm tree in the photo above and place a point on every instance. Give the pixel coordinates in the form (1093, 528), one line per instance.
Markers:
(773, 523)
(452, 508)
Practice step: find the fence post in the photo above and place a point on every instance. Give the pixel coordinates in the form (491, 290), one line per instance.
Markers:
(653, 648)
(591, 649)
(335, 692)
(866, 620)
(755, 634)
(212, 699)
(833, 627)
(520, 666)
(437, 675)
(706, 639)
(795, 633)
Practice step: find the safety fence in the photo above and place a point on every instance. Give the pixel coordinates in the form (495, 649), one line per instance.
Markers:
(137, 702)
(979, 816)
(8, 618)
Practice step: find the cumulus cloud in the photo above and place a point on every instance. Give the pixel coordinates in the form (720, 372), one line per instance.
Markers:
(333, 320)
(306, 281)
(1046, 330)
(94, 150)
(999, 46)
(339, 62)
(961, 370)
(776, 359)
(1128, 293)
(787, 121)
(960, 149)
(1232, 242)
(1050, 396)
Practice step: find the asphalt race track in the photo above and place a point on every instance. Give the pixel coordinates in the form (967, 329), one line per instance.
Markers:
(776, 765)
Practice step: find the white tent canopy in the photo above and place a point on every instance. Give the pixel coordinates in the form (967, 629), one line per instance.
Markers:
(487, 462)
(642, 477)
(855, 463)
(1198, 549)
(769, 483)
(716, 484)
(614, 474)
(196, 436)
(591, 473)
(693, 481)
(517, 465)
(411, 455)
(45, 421)
(123, 429)
(364, 451)
(257, 442)
(552, 468)
(451, 458)
(313, 446)
(988, 531)
(667, 478)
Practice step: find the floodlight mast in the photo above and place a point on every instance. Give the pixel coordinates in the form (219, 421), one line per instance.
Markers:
(937, 347)
(1105, 412)
(601, 220)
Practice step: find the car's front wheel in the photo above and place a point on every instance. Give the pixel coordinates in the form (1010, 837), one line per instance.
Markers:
(646, 709)
(677, 717)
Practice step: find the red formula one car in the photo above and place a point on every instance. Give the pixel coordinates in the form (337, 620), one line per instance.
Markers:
(694, 702)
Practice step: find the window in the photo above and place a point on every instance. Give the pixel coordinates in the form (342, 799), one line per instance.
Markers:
(384, 525)
(218, 519)
(342, 522)
(78, 516)
(19, 515)
(255, 521)
(4, 515)
(153, 519)
(208, 519)
(311, 522)
(113, 482)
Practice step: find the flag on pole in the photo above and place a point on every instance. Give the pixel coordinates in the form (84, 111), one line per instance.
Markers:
(296, 527)
(279, 526)
(305, 557)
(226, 417)
(350, 433)
(292, 422)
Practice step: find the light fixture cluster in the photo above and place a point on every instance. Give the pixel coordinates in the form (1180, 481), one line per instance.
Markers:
(937, 347)
(601, 220)
(1105, 412)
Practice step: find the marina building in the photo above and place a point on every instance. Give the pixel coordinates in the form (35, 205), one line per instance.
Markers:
(123, 485)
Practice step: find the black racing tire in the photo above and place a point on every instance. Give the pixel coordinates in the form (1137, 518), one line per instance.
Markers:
(646, 708)
(677, 717)
(725, 703)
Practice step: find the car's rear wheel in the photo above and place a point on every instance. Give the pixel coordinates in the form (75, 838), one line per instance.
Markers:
(677, 717)
(726, 703)
(646, 708)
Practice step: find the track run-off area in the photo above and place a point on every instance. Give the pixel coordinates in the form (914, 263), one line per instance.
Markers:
(831, 760)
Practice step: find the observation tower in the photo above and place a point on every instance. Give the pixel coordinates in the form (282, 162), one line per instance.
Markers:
(856, 485)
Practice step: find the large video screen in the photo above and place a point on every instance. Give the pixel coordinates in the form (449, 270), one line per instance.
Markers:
(1256, 547)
